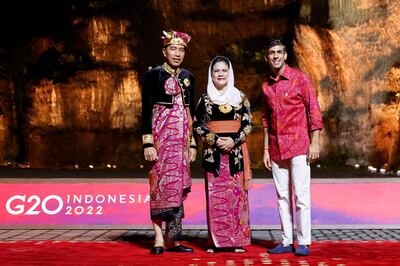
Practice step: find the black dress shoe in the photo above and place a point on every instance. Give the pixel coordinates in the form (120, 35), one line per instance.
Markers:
(157, 250)
(179, 248)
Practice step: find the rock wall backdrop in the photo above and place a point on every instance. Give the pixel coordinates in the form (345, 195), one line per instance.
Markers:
(70, 72)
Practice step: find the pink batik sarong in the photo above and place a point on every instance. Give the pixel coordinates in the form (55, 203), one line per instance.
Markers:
(170, 174)
(227, 208)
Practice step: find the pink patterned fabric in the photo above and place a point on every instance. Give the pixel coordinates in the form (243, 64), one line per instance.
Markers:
(170, 175)
(171, 86)
(286, 100)
(227, 208)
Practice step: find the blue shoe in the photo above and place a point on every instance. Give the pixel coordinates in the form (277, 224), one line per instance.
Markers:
(279, 249)
(302, 250)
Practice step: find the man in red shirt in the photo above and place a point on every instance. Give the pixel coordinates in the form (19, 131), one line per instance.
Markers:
(292, 123)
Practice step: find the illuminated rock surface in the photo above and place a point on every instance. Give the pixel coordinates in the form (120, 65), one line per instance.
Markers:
(71, 95)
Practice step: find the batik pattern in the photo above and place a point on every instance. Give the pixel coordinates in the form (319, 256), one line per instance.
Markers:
(170, 174)
(227, 208)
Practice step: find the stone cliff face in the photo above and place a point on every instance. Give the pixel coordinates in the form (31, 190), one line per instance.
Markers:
(354, 64)
(80, 92)
(8, 137)
(91, 114)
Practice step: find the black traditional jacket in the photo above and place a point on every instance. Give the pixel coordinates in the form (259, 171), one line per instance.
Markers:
(208, 111)
(153, 92)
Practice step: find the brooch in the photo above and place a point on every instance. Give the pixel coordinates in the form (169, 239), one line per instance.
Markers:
(225, 108)
(186, 82)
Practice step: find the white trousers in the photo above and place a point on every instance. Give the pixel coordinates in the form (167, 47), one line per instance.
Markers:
(293, 176)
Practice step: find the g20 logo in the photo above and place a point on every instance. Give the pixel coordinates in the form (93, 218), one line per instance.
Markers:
(16, 205)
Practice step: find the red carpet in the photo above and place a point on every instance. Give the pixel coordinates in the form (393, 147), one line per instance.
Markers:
(137, 253)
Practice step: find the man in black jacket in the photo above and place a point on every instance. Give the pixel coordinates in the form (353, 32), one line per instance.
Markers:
(167, 106)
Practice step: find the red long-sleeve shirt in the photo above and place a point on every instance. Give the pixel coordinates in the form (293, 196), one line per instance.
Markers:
(291, 111)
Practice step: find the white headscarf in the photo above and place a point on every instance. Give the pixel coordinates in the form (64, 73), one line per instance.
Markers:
(231, 95)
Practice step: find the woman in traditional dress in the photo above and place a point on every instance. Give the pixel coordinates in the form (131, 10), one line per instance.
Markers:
(223, 120)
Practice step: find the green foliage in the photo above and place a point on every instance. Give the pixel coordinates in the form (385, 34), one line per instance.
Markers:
(69, 60)
(334, 159)
(245, 56)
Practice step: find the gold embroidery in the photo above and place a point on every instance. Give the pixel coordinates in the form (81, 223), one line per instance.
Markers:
(208, 155)
(148, 139)
(210, 159)
(245, 117)
(210, 138)
(199, 131)
(209, 109)
(225, 108)
(186, 82)
(247, 129)
(170, 70)
(246, 103)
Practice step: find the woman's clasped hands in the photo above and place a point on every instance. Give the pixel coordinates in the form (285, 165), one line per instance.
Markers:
(225, 143)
